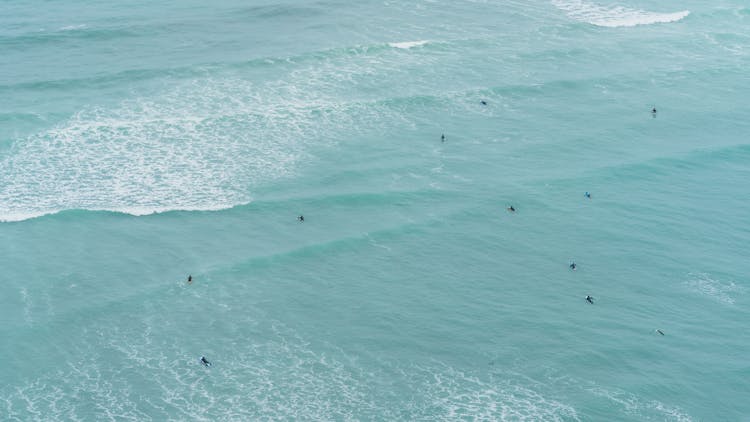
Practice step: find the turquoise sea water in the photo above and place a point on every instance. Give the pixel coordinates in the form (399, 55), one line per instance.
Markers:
(145, 141)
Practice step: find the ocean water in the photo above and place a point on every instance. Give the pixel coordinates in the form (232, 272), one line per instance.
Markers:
(142, 142)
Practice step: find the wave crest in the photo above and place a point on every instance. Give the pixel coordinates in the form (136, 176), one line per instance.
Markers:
(616, 16)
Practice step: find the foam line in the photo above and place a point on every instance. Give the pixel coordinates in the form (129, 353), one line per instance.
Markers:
(405, 45)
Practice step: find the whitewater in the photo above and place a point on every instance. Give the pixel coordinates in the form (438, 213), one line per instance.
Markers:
(144, 143)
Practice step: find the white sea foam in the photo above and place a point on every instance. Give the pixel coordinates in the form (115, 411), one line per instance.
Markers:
(73, 27)
(201, 145)
(723, 291)
(274, 379)
(642, 409)
(447, 394)
(408, 44)
(143, 371)
(614, 16)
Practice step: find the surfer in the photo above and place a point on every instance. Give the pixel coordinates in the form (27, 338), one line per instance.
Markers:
(190, 279)
(653, 111)
(573, 266)
(442, 138)
(587, 195)
(205, 362)
(511, 209)
(659, 331)
(589, 299)
(483, 102)
(301, 218)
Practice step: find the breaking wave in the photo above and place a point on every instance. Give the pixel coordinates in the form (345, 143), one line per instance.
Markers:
(614, 16)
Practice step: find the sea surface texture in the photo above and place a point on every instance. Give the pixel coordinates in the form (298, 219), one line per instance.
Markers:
(142, 142)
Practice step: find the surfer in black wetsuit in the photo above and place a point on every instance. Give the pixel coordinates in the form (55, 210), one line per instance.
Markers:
(442, 138)
(190, 279)
(587, 195)
(653, 111)
(483, 102)
(301, 218)
(589, 299)
(511, 209)
(573, 266)
(660, 332)
(205, 362)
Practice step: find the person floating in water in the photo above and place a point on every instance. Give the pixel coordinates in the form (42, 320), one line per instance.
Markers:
(573, 266)
(511, 209)
(589, 299)
(442, 138)
(660, 332)
(653, 111)
(190, 279)
(587, 195)
(301, 218)
(205, 362)
(483, 102)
